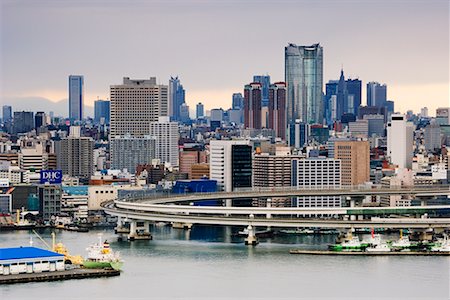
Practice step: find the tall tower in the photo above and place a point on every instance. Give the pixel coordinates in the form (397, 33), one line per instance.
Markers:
(265, 84)
(199, 111)
(376, 94)
(355, 161)
(252, 105)
(76, 97)
(304, 79)
(101, 110)
(400, 138)
(277, 109)
(176, 98)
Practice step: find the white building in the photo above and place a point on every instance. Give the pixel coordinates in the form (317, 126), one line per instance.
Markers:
(32, 156)
(127, 152)
(100, 193)
(400, 136)
(317, 173)
(220, 160)
(29, 260)
(166, 134)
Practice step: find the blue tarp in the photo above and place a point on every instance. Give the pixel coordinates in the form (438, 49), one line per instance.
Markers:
(25, 252)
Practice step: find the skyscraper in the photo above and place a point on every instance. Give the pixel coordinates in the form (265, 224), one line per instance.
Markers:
(23, 121)
(277, 109)
(304, 79)
(7, 113)
(355, 161)
(176, 98)
(76, 97)
(252, 105)
(166, 134)
(199, 111)
(238, 101)
(131, 151)
(101, 110)
(376, 94)
(400, 138)
(75, 155)
(136, 103)
(265, 84)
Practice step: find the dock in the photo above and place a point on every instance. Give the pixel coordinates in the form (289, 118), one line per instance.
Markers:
(57, 275)
(366, 253)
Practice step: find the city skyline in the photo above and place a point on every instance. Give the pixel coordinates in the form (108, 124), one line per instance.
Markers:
(211, 66)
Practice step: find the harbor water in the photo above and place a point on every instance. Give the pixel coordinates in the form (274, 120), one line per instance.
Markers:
(209, 263)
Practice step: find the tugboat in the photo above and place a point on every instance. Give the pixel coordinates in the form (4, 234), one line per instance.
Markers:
(444, 245)
(352, 244)
(100, 256)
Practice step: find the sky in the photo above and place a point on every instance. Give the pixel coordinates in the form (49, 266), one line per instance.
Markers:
(215, 47)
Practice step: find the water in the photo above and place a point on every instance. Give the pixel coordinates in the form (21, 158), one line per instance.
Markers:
(207, 263)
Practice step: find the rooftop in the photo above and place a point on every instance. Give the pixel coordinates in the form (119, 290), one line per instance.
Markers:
(25, 252)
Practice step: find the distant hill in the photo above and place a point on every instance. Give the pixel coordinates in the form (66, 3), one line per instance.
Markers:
(60, 108)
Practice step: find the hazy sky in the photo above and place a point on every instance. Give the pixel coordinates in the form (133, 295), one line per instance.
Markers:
(215, 47)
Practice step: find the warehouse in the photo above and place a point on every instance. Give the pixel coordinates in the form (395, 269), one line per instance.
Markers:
(29, 260)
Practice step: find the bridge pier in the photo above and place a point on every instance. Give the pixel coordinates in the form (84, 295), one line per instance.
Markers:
(139, 230)
(251, 239)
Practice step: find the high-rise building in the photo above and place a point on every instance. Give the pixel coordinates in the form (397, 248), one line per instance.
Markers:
(101, 111)
(390, 107)
(75, 156)
(359, 128)
(316, 173)
(76, 97)
(33, 157)
(354, 96)
(231, 164)
(176, 98)
(400, 137)
(277, 109)
(252, 105)
(40, 119)
(265, 84)
(7, 113)
(131, 151)
(136, 103)
(49, 201)
(166, 134)
(184, 114)
(298, 134)
(376, 125)
(238, 101)
(304, 79)
(443, 115)
(23, 121)
(190, 157)
(376, 94)
(355, 161)
(199, 111)
(432, 136)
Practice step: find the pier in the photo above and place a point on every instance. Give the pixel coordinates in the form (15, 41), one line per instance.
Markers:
(58, 275)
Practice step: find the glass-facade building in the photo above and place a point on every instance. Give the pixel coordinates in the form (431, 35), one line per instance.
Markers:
(304, 79)
(76, 97)
(101, 110)
(241, 166)
(176, 98)
(265, 85)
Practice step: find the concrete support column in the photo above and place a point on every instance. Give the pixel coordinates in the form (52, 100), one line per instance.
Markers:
(139, 230)
(269, 205)
(251, 239)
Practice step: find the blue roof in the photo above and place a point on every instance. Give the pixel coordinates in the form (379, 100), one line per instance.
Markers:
(25, 252)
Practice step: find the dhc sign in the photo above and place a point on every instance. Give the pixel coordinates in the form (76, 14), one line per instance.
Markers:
(51, 176)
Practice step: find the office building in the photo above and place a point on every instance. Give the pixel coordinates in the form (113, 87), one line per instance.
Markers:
(166, 134)
(23, 121)
(101, 111)
(75, 156)
(316, 173)
(199, 171)
(184, 114)
(216, 115)
(265, 84)
(271, 170)
(298, 134)
(355, 161)
(199, 111)
(443, 115)
(390, 108)
(33, 157)
(400, 136)
(176, 98)
(49, 201)
(40, 119)
(231, 164)
(432, 136)
(128, 152)
(277, 109)
(238, 101)
(376, 94)
(252, 105)
(76, 97)
(6, 113)
(304, 79)
(376, 125)
(359, 128)
(190, 157)
(136, 103)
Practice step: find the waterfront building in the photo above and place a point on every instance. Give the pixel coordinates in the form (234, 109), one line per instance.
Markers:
(128, 152)
(166, 134)
(252, 105)
(231, 164)
(176, 98)
(75, 155)
(199, 111)
(304, 79)
(23, 260)
(100, 193)
(49, 201)
(355, 161)
(23, 121)
(277, 109)
(400, 136)
(136, 103)
(74, 202)
(101, 111)
(376, 94)
(76, 97)
(316, 173)
(265, 84)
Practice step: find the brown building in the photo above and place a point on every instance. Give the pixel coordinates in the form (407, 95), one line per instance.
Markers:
(199, 171)
(189, 157)
(355, 161)
(252, 105)
(277, 109)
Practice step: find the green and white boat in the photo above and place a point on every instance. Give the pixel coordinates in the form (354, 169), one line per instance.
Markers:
(353, 244)
(100, 256)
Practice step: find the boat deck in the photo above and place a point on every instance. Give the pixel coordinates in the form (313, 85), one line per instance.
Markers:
(366, 253)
